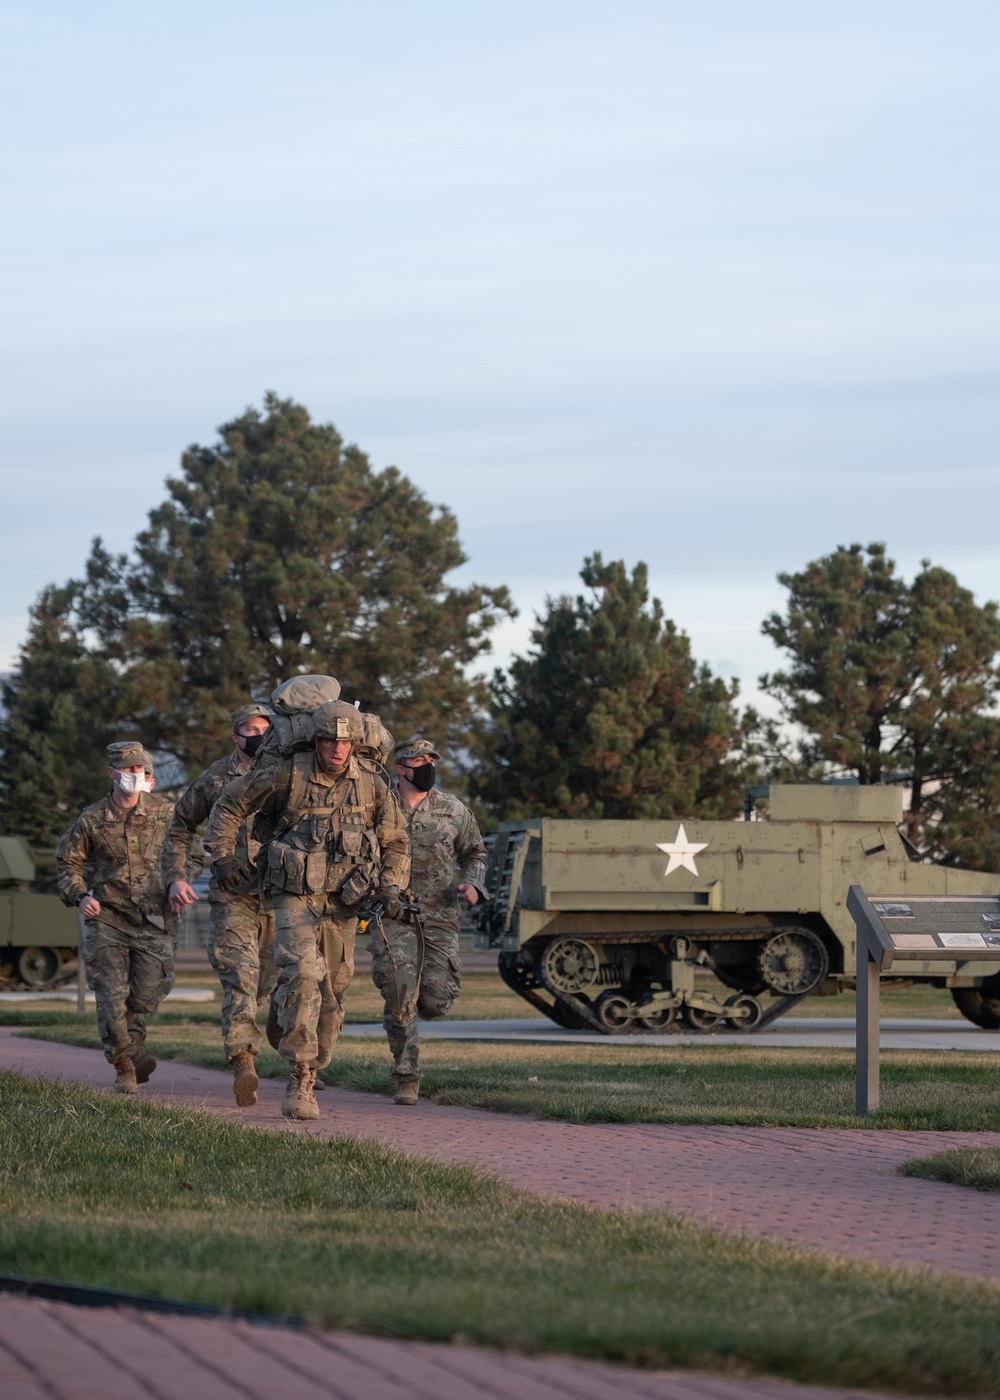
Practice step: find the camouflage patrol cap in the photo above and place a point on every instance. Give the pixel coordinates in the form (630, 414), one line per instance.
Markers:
(414, 748)
(147, 761)
(304, 693)
(338, 720)
(128, 753)
(255, 710)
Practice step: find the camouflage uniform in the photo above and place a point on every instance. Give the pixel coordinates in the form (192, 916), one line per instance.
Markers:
(329, 837)
(443, 833)
(241, 939)
(113, 853)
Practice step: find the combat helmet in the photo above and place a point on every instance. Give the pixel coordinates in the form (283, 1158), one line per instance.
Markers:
(372, 741)
(338, 720)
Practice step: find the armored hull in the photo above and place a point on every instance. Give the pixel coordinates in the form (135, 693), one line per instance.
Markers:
(607, 924)
(38, 934)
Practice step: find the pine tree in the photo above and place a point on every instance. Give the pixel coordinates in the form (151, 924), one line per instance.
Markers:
(609, 715)
(60, 709)
(896, 680)
(278, 551)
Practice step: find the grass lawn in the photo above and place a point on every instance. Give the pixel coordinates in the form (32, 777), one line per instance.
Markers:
(975, 1167)
(623, 1081)
(127, 1194)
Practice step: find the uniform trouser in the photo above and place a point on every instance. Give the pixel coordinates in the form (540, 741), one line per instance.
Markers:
(241, 949)
(129, 974)
(314, 953)
(394, 966)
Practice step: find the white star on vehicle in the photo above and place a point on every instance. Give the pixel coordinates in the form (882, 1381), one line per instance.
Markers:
(681, 852)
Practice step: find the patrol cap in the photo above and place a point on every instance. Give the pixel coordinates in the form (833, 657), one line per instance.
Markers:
(255, 710)
(414, 748)
(128, 753)
(304, 693)
(338, 720)
(147, 761)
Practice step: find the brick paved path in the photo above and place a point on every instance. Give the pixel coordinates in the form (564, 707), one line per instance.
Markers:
(832, 1189)
(52, 1351)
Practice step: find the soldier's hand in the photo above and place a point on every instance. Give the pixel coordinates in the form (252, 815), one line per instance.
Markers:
(228, 875)
(469, 893)
(179, 894)
(389, 897)
(90, 907)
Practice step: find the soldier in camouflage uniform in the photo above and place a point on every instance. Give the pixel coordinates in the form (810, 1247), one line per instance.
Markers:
(443, 834)
(108, 864)
(241, 941)
(333, 831)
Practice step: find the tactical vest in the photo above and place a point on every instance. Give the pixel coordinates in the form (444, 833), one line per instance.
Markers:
(324, 849)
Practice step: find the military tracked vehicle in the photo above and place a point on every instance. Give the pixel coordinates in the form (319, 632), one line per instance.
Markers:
(606, 925)
(38, 934)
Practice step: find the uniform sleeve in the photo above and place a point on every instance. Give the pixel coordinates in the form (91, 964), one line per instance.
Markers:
(71, 855)
(181, 858)
(471, 854)
(390, 830)
(266, 790)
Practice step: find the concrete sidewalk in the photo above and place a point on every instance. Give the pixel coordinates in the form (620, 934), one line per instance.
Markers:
(53, 1351)
(829, 1189)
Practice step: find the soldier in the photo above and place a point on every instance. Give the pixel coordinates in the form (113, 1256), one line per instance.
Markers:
(241, 941)
(443, 834)
(108, 863)
(334, 831)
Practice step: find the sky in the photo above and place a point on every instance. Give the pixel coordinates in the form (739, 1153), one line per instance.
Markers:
(713, 285)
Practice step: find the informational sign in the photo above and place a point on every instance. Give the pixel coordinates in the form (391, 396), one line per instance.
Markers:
(894, 930)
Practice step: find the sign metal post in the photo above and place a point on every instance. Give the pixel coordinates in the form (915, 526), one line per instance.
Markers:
(866, 1089)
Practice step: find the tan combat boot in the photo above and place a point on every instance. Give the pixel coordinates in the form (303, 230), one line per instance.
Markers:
(407, 1092)
(144, 1064)
(299, 1100)
(245, 1079)
(125, 1082)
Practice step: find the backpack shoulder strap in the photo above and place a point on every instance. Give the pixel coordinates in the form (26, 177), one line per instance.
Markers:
(302, 765)
(364, 790)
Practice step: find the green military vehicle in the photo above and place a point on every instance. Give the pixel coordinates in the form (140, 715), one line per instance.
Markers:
(38, 934)
(605, 925)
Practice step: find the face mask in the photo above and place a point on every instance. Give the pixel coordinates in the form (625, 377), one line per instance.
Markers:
(133, 782)
(423, 777)
(250, 743)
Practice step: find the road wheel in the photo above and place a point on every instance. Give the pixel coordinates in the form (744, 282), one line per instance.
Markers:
(754, 1016)
(613, 1010)
(37, 966)
(658, 1020)
(701, 1020)
(977, 1007)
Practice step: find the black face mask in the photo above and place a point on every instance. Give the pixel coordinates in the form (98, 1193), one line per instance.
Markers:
(250, 743)
(423, 777)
